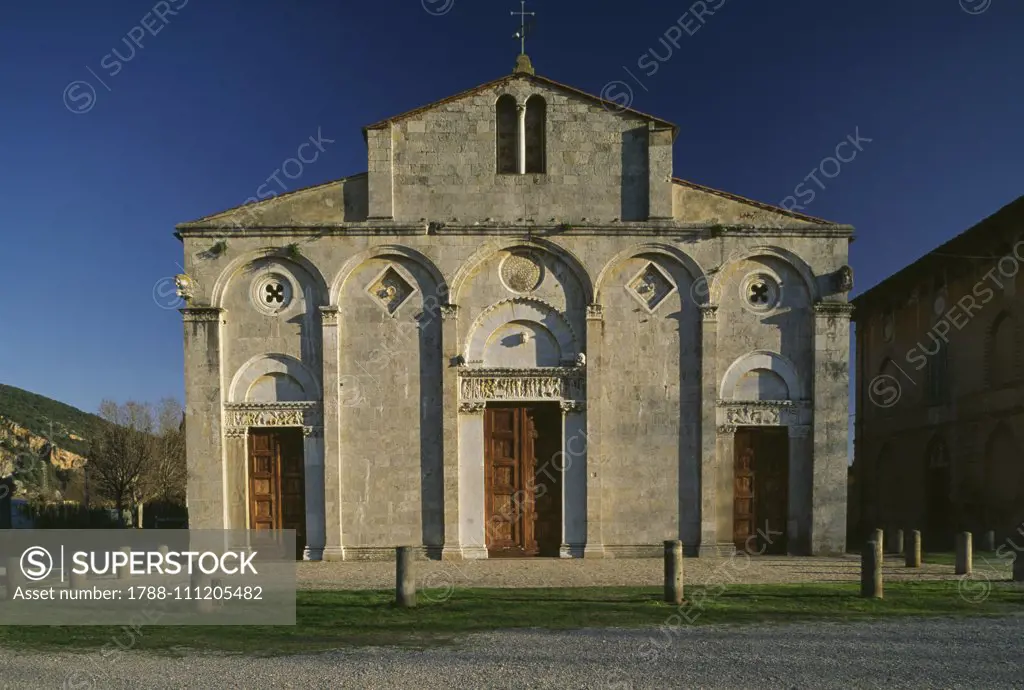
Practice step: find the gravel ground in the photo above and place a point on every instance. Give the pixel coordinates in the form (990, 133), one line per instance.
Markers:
(944, 653)
(575, 572)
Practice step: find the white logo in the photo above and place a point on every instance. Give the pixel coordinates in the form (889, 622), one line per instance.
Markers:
(36, 563)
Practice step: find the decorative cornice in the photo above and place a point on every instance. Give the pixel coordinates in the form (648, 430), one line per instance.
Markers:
(833, 309)
(202, 314)
(329, 315)
(757, 403)
(512, 372)
(294, 405)
(595, 312)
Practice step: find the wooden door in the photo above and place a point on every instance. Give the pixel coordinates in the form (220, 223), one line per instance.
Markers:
(277, 489)
(509, 461)
(761, 490)
(744, 521)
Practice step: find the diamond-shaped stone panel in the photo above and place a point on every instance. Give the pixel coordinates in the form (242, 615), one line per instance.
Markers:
(651, 286)
(390, 290)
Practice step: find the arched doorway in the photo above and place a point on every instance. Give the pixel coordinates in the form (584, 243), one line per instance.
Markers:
(938, 501)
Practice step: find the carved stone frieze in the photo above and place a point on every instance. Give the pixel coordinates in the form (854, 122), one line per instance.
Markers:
(201, 314)
(759, 412)
(833, 309)
(305, 414)
(549, 383)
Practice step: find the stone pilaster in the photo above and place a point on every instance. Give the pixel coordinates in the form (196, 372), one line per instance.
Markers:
(574, 479)
(313, 461)
(236, 458)
(831, 426)
(521, 148)
(709, 459)
(724, 489)
(472, 522)
(332, 546)
(594, 470)
(203, 417)
(798, 526)
(452, 549)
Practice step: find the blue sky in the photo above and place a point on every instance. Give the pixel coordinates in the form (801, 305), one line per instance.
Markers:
(219, 94)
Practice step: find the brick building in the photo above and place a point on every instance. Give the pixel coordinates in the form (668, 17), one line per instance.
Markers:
(940, 388)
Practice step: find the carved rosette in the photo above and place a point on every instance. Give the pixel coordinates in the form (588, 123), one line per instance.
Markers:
(547, 383)
(201, 314)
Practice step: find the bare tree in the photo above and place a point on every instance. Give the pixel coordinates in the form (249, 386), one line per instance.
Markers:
(120, 459)
(166, 481)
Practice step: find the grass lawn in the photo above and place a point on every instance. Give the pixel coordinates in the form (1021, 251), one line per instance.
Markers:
(333, 619)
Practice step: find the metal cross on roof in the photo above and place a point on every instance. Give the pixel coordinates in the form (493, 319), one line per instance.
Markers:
(521, 34)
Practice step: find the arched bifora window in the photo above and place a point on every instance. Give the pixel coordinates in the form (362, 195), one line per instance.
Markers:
(506, 128)
(536, 124)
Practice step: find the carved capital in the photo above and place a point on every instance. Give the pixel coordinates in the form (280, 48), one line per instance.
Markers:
(726, 429)
(471, 407)
(202, 314)
(709, 312)
(595, 312)
(314, 431)
(573, 406)
(799, 431)
(236, 432)
(329, 315)
(449, 311)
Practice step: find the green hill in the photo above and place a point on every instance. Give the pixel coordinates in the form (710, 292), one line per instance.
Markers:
(65, 426)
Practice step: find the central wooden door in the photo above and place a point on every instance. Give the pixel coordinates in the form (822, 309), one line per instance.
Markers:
(761, 489)
(509, 463)
(277, 483)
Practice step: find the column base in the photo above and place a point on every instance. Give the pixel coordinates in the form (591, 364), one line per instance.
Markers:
(593, 551)
(452, 553)
(333, 553)
(474, 553)
(312, 553)
(571, 550)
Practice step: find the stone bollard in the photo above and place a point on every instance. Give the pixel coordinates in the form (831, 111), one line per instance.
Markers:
(674, 571)
(879, 539)
(164, 550)
(125, 572)
(405, 580)
(1018, 567)
(200, 582)
(964, 557)
(871, 571)
(895, 541)
(914, 549)
(14, 578)
(988, 541)
(78, 580)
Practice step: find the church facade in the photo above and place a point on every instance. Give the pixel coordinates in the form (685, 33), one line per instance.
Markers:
(518, 334)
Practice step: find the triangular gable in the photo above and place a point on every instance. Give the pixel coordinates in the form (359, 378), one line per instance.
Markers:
(610, 105)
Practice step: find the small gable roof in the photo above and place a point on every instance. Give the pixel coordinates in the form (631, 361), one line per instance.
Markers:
(610, 105)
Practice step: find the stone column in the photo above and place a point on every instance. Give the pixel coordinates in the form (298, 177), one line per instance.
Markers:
(724, 490)
(594, 477)
(333, 549)
(574, 479)
(521, 164)
(203, 417)
(831, 427)
(473, 541)
(313, 461)
(798, 526)
(452, 549)
(708, 432)
(236, 458)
